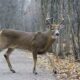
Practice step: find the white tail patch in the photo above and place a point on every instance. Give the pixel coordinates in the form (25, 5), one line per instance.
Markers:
(0, 31)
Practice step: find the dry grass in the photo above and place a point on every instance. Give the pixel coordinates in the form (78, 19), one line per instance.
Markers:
(67, 69)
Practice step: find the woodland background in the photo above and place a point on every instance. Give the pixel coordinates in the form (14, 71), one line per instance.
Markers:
(30, 15)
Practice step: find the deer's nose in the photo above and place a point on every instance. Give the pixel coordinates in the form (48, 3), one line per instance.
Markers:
(57, 32)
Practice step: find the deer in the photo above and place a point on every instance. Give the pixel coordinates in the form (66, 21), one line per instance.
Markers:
(36, 42)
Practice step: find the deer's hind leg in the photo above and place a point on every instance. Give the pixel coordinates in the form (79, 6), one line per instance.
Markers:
(9, 51)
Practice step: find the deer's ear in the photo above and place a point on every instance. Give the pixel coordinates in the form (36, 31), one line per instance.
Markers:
(48, 25)
(47, 22)
(61, 25)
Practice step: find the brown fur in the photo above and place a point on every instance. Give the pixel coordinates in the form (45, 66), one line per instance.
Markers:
(36, 42)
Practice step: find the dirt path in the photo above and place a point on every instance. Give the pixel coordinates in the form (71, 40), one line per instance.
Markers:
(23, 66)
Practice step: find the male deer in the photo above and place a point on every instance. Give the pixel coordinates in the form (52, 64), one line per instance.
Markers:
(36, 42)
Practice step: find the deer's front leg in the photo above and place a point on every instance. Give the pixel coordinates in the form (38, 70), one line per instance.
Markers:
(7, 59)
(35, 60)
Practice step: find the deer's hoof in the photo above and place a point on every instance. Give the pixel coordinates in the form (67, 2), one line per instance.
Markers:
(13, 71)
(55, 72)
(35, 73)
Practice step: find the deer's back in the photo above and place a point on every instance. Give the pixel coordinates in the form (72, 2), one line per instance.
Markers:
(16, 39)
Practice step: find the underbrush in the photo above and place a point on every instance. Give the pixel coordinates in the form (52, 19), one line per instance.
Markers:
(67, 69)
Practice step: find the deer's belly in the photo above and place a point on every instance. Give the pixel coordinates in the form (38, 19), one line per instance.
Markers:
(21, 46)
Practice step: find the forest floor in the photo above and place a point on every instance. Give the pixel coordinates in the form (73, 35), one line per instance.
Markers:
(67, 69)
(23, 65)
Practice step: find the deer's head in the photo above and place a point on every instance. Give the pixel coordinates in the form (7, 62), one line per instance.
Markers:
(54, 28)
